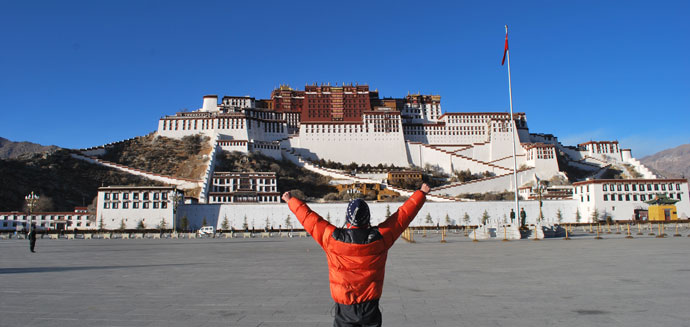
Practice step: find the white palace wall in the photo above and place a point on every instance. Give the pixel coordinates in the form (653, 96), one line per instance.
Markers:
(276, 214)
(335, 142)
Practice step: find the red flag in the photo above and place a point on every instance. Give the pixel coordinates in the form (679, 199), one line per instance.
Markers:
(506, 48)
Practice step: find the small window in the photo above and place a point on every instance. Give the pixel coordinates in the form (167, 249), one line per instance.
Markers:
(679, 198)
(619, 187)
(641, 187)
(626, 187)
(634, 187)
(106, 196)
(634, 197)
(125, 205)
(663, 187)
(627, 197)
(116, 196)
(606, 197)
(156, 195)
(155, 205)
(106, 205)
(146, 196)
(146, 205)
(115, 205)
(642, 197)
(620, 197)
(125, 196)
(164, 205)
(164, 195)
(656, 187)
(677, 187)
(135, 205)
(603, 187)
(135, 195)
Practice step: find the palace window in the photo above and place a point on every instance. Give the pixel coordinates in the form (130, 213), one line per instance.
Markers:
(135, 205)
(603, 188)
(125, 205)
(606, 197)
(634, 187)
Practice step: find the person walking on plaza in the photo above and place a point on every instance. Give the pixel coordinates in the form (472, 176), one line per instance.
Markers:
(32, 238)
(357, 254)
(523, 217)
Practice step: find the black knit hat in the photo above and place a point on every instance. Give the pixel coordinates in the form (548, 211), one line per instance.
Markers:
(358, 213)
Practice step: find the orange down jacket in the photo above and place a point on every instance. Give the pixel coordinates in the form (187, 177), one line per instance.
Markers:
(357, 257)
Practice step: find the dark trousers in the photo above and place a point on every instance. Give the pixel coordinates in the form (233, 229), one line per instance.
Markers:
(363, 314)
(32, 244)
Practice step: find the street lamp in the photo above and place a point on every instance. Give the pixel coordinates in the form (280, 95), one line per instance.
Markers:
(176, 202)
(540, 190)
(31, 200)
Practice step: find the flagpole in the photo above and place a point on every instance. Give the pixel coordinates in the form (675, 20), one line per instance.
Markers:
(512, 120)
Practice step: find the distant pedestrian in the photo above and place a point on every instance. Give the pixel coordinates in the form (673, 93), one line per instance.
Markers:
(523, 216)
(512, 216)
(32, 238)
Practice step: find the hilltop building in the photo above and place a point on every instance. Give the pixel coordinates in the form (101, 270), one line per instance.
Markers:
(352, 123)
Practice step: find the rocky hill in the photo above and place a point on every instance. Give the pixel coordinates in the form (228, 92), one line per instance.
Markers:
(61, 181)
(670, 163)
(185, 158)
(12, 150)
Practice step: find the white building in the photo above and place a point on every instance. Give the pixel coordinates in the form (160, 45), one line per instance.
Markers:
(128, 206)
(619, 198)
(243, 187)
(79, 219)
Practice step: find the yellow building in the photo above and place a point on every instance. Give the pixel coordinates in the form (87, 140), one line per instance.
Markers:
(368, 189)
(662, 208)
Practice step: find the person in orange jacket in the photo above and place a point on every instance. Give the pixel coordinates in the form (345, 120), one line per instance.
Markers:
(357, 254)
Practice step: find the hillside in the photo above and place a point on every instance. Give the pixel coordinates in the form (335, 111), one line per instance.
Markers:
(670, 163)
(62, 181)
(12, 150)
(290, 176)
(185, 158)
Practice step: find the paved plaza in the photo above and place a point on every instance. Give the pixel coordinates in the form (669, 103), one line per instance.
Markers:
(284, 282)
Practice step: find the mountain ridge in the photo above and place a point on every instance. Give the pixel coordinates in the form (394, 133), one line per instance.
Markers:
(670, 163)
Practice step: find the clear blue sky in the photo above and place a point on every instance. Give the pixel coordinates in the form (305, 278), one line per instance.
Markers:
(78, 74)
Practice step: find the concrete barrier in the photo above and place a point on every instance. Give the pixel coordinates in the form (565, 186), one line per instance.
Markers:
(70, 236)
(247, 235)
(138, 236)
(88, 236)
(125, 236)
(156, 236)
(54, 236)
(107, 236)
(174, 235)
(265, 235)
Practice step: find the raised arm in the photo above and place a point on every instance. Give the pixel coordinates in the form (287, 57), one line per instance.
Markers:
(316, 226)
(398, 221)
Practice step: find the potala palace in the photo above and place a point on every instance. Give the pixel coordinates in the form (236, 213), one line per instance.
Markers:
(351, 123)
